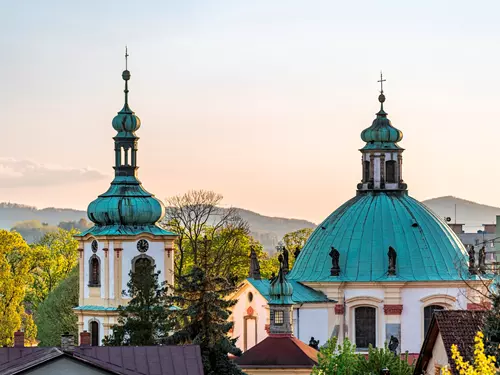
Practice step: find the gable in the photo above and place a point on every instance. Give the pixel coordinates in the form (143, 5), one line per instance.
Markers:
(65, 366)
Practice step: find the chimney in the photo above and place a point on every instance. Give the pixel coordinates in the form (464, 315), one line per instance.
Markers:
(84, 338)
(18, 339)
(490, 228)
(457, 228)
(67, 342)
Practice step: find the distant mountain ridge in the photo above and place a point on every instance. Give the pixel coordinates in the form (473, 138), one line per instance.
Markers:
(473, 215)
(268, 230)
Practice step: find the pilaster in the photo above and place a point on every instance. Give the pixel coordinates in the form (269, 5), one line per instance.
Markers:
(393, 309)
(117, 247)
(81, 271)
(105, 251)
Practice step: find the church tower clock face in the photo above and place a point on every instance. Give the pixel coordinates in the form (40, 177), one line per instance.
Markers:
(142, 246)
(95, 246)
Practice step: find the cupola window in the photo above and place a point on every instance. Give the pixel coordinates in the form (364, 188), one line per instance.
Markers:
(95, 271)
(366, 171)
(390, 171)
(279, 318)
(365, 327)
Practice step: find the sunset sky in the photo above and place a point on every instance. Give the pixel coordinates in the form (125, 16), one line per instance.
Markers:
(261, 101)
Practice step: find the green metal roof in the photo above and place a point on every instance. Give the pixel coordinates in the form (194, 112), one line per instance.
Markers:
(126, 202)
(363, 229)
(94, 308)
(381, 135)
(301, 293)
(102, 308)
(126, 230)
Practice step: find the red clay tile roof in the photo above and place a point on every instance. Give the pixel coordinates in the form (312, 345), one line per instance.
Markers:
(456, 327)
(144, 360)
(283, 352)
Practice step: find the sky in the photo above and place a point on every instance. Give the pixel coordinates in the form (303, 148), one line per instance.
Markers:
(260, 101)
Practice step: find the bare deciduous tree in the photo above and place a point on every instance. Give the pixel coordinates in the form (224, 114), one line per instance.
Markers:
(197, 217)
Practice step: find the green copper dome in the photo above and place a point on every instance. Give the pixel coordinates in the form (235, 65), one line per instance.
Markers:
(381, 134)
(362, 230)
(281, 290)
(126, 208)
(126, 203)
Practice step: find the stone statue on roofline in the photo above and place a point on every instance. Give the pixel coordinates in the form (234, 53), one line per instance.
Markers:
(296, 253)
(482, 259)
(286, 263)
(392, 261)
(335, 255)
(472, 260)
(314, 343)
(254, 271)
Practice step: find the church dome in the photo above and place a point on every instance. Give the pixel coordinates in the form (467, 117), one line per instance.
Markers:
(281, 290)
(363, 228)
(381, 129)
(126, 121)
(126, 207)
(133, 207)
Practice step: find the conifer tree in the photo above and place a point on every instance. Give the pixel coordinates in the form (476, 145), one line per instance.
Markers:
(144, 321)
(202, 319)
(492, 326)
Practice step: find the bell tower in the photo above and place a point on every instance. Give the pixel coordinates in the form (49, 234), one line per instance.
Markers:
(382, 157)
(125, 231)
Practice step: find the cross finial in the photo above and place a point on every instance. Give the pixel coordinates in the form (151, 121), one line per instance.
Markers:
(126, 57)
(382, 80)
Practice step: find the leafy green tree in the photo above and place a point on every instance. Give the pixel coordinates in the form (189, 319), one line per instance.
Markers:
(55, 314)
(296, 240)
(145, 320)
(14, 281)
(203, 319)
(379, 358)
(492, 326)
(51, 260)
(337, 359)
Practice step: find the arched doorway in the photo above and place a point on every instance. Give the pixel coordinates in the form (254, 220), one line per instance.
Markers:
(94, 333)
(365, 326)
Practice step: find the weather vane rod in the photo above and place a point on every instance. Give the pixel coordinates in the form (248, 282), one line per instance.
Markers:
(126, 58)
(382, 80)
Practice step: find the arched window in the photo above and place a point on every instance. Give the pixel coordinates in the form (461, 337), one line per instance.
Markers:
(390, 171)
(95, 271)
(365, 321)
(366, 171)
(94, 333)
(428, 312)
(141, 261)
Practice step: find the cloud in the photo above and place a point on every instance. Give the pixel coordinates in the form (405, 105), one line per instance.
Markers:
(16, 173)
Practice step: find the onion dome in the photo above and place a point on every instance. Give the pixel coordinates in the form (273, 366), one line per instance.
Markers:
(381, 134)
(126, 120)
(126, 207)
(133, 207)
(280, 289)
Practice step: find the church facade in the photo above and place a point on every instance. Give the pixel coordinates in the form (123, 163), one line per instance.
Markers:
(125, 232)
(375, 269)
